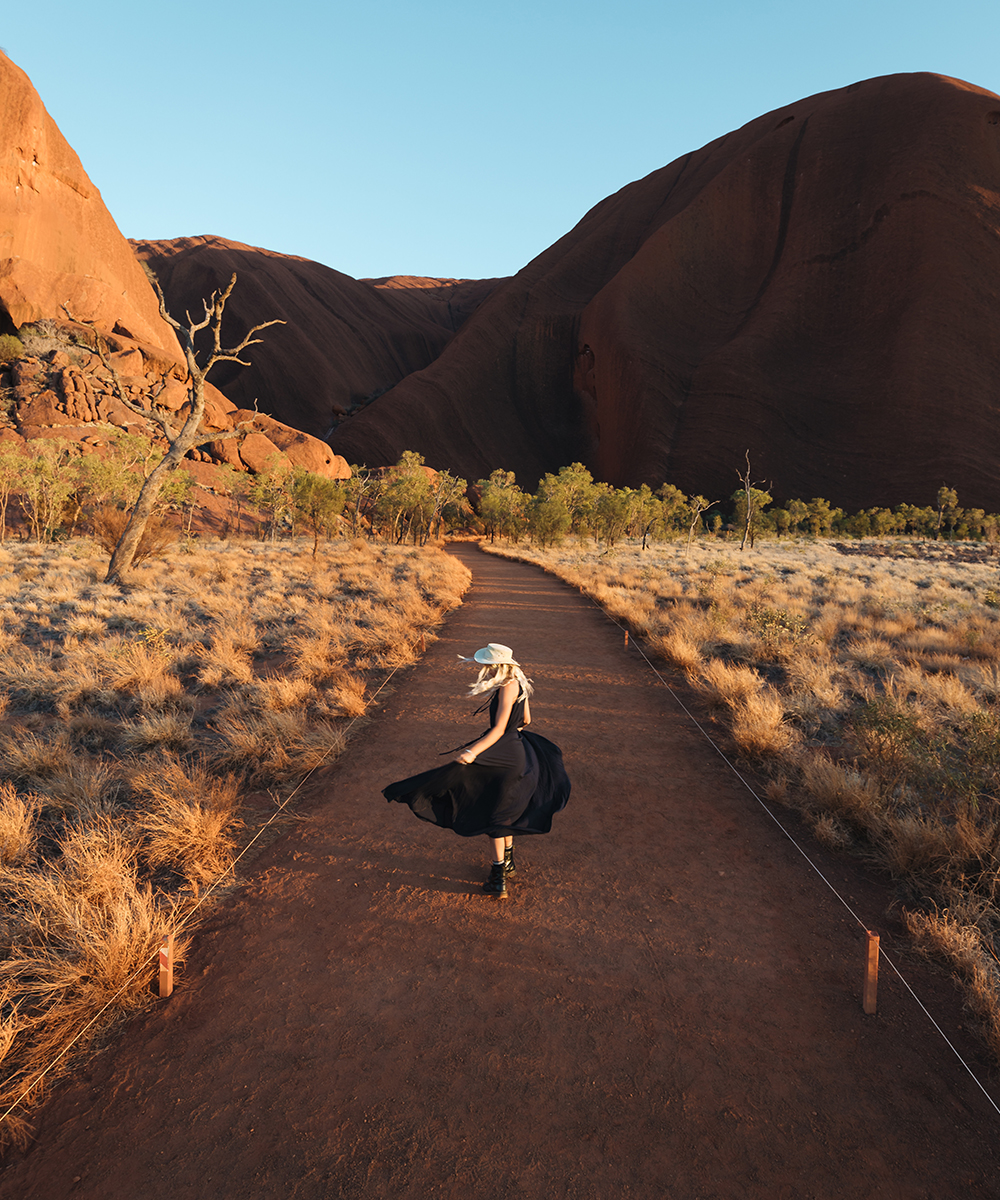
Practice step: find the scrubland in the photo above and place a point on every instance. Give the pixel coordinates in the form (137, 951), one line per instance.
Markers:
(863, 686)
(136, 723)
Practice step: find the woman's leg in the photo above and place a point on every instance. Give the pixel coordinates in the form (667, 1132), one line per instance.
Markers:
(499, 845)
(496, 885)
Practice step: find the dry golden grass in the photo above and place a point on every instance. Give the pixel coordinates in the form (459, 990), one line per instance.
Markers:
(679, 649)
(131, 722)
(187, 820)
(866, 685)
(841, 791)
(831, 832)
(18, 826)
(759, 726)
(945, 935)
(274, 747)
(728, 684)
(90, 931)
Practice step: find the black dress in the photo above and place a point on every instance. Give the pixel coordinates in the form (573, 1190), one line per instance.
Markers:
(514, 786)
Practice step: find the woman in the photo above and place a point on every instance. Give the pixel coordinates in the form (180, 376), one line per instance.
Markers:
(507, 781)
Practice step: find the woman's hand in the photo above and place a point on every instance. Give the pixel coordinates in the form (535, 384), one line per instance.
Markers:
(465, 758)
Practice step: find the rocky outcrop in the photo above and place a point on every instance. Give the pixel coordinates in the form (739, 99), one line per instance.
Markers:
(60, 390)
(344, 342)
(58, 243)
(818, 287)
(60, 249)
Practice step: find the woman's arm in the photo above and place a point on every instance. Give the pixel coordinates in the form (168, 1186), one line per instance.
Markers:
(527, 713)
(508, 694)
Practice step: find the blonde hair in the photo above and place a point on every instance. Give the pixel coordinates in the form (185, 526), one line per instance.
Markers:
(495, 675)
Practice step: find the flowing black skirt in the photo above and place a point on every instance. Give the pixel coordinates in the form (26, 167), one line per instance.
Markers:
(516, 793)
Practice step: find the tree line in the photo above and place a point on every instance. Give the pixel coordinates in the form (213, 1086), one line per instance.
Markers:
(54, 491)
(125, 494)
(571, 501)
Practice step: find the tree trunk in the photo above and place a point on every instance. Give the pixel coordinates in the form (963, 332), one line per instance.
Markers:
(128, 543)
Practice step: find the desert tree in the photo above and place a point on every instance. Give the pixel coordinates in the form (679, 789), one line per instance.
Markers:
(46, 487)
(946, 507)
(884, 521)
(549, 518)
(183, 432)
(406, 503)
(271, 494)
(971, 523)
(449, 502)
(13, 468)
(916, 520)
(363, 491)
(612, 512)
(574, 490)
(782, 520)
(646, 514)
(106, 485)
(235, 485)
(797, 510)
(822, 516)
(318, 501)
(502, 505)
(751, 516)
(675, 506)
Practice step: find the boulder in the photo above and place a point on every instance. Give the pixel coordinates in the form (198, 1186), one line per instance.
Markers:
(42, 409)
(258, 453)
(226, 451)
(174, 396)
(219, 410)
(301, 449)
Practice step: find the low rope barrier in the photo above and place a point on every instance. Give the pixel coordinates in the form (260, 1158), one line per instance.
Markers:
(732, 766)
(185, 922)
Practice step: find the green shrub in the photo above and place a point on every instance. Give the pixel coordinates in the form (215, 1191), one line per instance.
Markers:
(11, 348)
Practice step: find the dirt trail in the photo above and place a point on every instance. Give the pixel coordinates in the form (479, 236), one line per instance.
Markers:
(666, 1006)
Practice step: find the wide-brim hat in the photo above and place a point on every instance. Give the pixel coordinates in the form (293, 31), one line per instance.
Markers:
(493, 655)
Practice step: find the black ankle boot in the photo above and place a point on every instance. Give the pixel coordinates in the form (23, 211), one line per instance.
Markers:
(508, 860)
(496, 885)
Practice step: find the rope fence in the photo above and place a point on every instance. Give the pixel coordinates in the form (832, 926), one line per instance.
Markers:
(878, 951)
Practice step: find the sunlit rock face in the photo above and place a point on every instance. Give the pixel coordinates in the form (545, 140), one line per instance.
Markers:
(70, 396)
(61, 253)
(59, 245)
(818, 287)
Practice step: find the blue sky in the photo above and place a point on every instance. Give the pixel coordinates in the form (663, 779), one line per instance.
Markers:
(441, 138)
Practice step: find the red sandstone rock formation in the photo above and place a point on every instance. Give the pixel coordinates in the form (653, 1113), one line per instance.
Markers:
(344, 339)
(819, 286)
(59, 246)
(64, 392)
(58, 243)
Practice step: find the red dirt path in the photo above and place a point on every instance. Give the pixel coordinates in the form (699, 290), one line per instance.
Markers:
(666, 1006)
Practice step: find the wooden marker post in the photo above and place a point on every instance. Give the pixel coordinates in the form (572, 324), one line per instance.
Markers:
(166, 966)
(423, 644)
(871, 972)
(626, 639)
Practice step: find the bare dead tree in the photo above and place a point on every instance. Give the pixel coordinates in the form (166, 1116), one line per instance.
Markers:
(748, 489)
(186, 435)
(699, 505)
